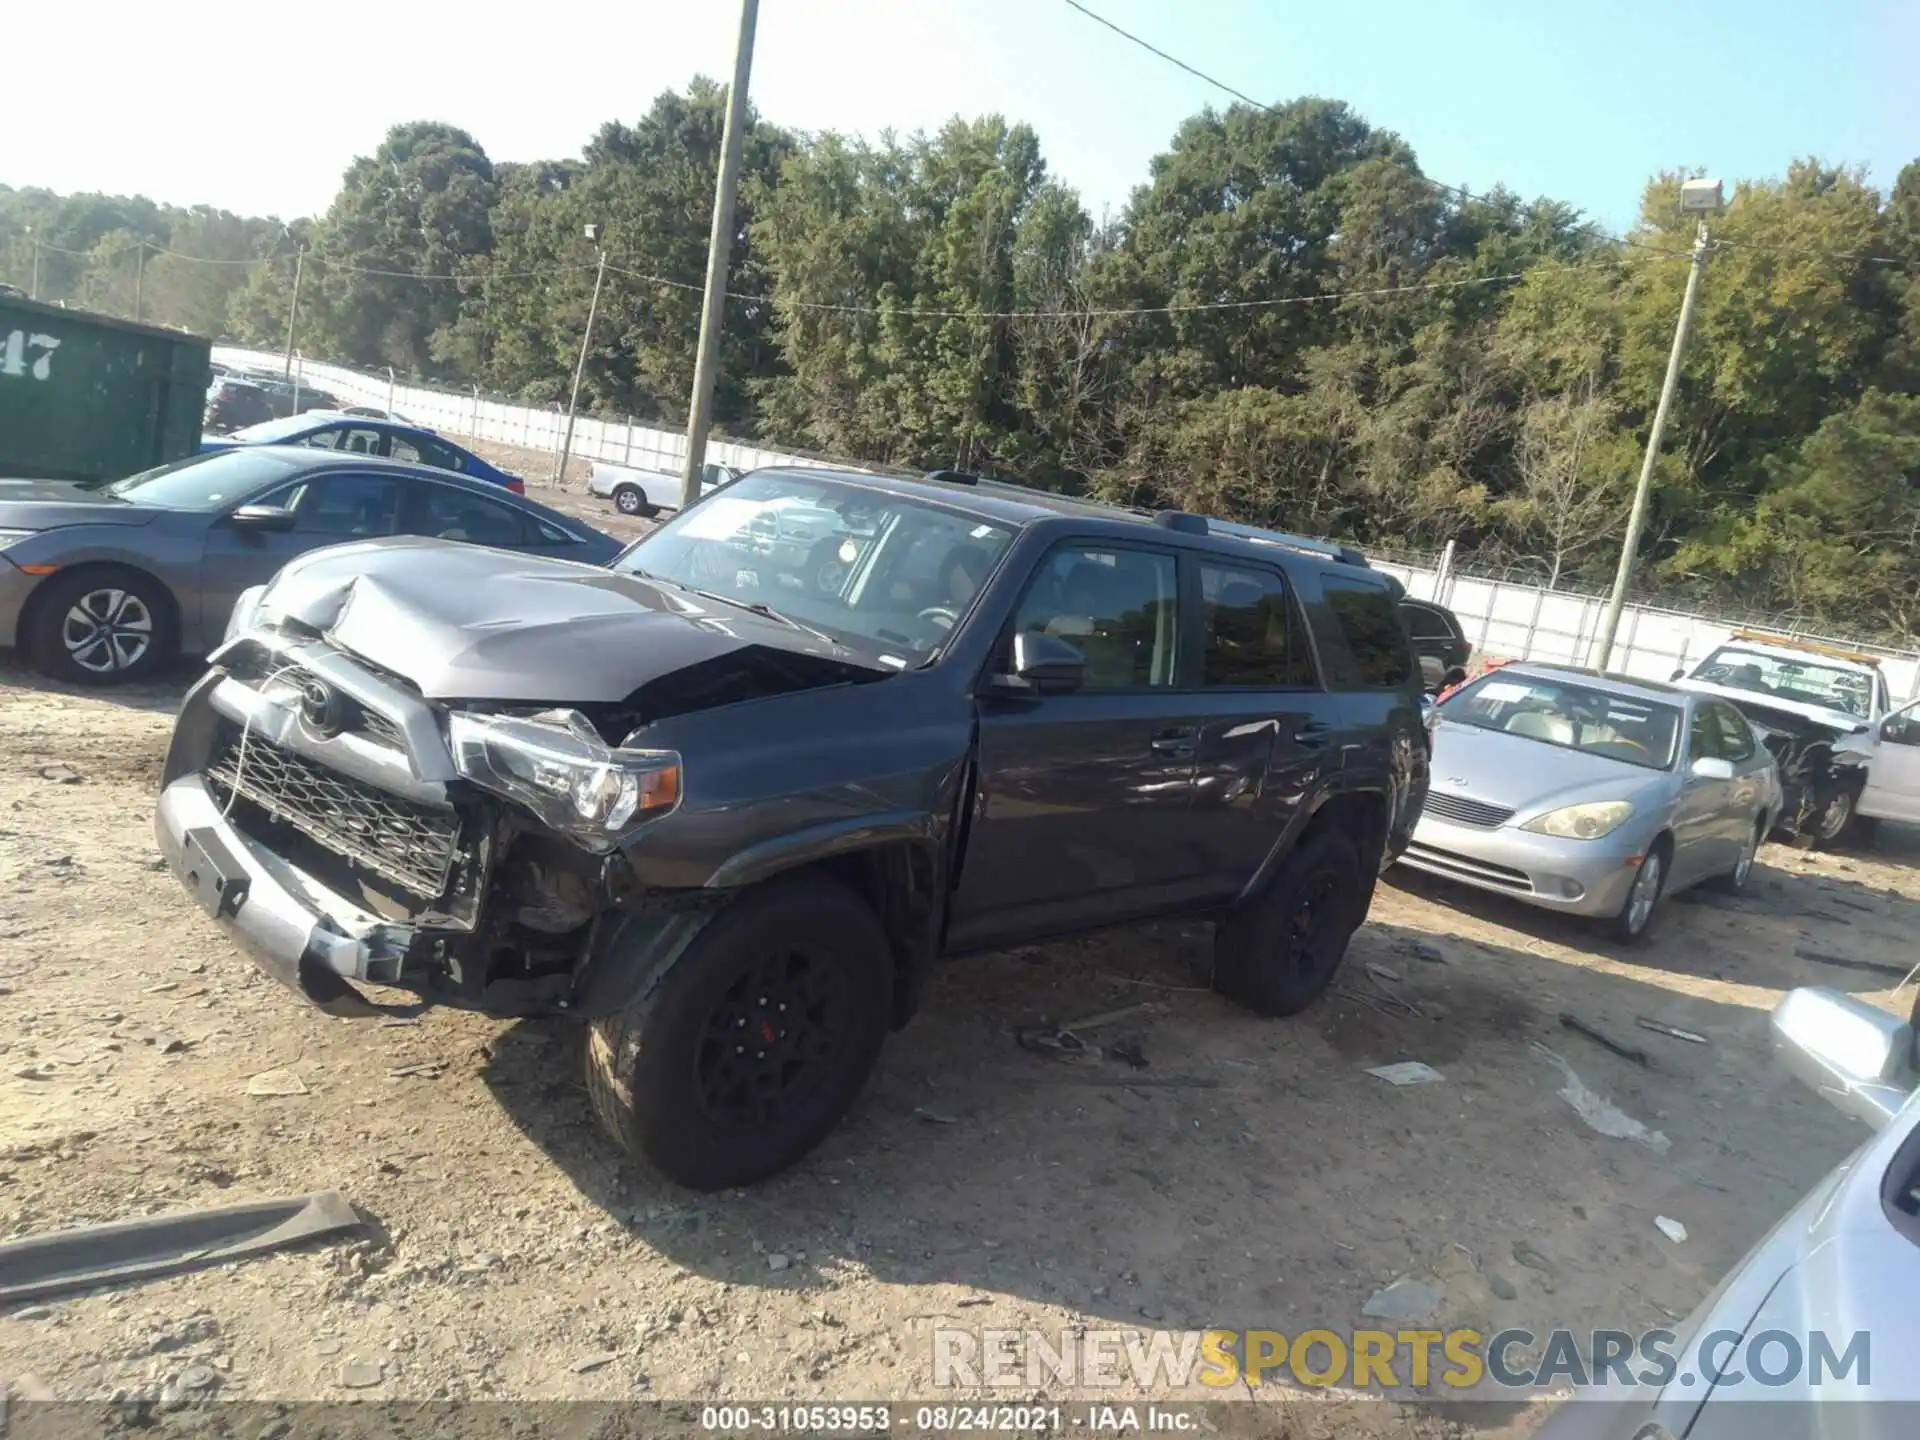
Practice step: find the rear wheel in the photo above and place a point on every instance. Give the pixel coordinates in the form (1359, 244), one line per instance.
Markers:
(752, 1046)
(1277, 953)
(632, 500)
(1643, 898)
(102, 626)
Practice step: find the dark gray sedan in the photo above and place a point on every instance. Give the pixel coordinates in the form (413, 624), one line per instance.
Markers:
(105, 583)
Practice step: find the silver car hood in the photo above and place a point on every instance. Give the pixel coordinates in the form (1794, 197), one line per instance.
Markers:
(465, 622)
(1517, 773)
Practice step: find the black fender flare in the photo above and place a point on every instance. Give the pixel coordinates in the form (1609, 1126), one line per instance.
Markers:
(1330, 789)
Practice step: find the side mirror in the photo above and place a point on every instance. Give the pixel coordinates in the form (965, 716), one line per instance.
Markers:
(1857, 1056)
(1679, 674)
(266, 519)
(1709, 767)
(1043, 665)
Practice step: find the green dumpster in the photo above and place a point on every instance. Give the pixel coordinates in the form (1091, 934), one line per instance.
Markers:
(88, 397)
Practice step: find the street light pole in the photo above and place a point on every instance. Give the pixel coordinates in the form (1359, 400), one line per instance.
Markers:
(719, 252)
(580, 365)
(1702, 197)
(293, 313)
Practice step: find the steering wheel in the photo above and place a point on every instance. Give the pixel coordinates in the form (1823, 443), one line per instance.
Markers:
(939, 615)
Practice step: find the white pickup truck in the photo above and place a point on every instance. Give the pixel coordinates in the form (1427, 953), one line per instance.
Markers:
(647, 492)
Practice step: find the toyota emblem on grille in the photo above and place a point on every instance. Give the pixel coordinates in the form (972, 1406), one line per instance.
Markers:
(322, 710)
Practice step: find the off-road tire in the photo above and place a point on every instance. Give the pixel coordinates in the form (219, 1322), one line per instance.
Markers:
(648, 1064)
(1262, 960)
(48, 630)
(632, 500)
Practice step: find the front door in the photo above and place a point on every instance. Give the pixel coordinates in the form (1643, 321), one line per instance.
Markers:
(1701, 844)
(1079, 815)
(1893, 775)
(327, 510)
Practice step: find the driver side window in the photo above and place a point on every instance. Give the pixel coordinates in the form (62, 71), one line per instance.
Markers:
(1118, 607)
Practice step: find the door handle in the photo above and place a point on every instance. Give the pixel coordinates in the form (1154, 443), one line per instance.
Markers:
(1313, 734)
(1176, 743)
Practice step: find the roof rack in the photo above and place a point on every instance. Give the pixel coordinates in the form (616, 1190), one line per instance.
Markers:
(1327, 549)
(1792, 643)
(1182, 522)
(952, 477)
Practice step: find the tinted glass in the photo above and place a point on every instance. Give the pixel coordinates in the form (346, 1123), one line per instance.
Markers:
(344, 505)
(1573, 717)
(1251, 636)
(206, 482)
(399, 447)
(1376, 636)
(1117, 607)
(1426, 623)
(451, 514)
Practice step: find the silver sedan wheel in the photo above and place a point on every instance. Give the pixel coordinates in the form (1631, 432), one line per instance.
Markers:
(107, 630)
(1747, 851)
(1645, 892)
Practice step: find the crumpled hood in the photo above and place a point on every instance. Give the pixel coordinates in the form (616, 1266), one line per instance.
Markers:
(49, 504)
(464, 622)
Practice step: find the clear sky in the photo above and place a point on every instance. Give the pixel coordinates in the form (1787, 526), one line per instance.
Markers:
(259, 108)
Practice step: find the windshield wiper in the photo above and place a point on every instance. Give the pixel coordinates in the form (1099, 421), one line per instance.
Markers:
(754, 607)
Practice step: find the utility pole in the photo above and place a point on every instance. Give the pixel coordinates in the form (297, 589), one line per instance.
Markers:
(580, 365)
(33, 285)
(1701, 197)
(293, 312)
(719, 252)
(139, 281)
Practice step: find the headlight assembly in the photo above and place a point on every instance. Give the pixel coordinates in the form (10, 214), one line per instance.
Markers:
(558, 767)
(1582, 822)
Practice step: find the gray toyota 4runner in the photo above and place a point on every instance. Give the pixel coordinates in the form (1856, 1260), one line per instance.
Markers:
(727, 800)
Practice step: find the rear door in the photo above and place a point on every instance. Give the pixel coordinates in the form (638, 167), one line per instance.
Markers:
(1261, 745)
(1893, 775)
(1080, 813)
(451, 513)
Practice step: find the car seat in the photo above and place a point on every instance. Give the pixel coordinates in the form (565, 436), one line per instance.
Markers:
(1541, 725)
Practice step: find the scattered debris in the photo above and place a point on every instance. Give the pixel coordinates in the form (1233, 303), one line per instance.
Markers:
(122, 1250)
(593, 1362)
(276, 1082)
(1128, 1053)
(396, 1022)
(198, 1377)
(1821, 957)
(426, 1070)
(1624, 1051)
(1403, 1300)
(31, 1312)
(60, 774)
(1384, 972)
(1672, 1229)
(1599, 1113)
(1502, 1287)
(1421, 950)
(1106, 1017)
(1660, 1027)
(973, 1300)
(362, 1374)
(1377, 1000)
(777, 1261)
(1052, 1041)
(935, 1117)
(1407, 1072)
(33, 1072)
(163, 1041)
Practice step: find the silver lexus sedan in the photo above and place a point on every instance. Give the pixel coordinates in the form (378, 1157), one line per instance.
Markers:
(1592, 794)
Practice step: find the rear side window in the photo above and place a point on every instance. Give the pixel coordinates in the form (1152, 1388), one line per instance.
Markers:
(1252, 638)
(1427, 623)
(1376, 636)
(450, 514)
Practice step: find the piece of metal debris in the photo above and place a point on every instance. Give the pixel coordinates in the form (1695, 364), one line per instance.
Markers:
(1600, 1037)
(276, 1082)
(1660, 1027)
(1105, 1017)
(1599, 1113)
(426, 1069)
(594, 1362)
(1407, 1072)
(1402, 1300)
(935, 1117)
(165, 1244)
(1672, 1229)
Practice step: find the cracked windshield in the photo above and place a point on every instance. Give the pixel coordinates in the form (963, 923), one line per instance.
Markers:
(884, 575)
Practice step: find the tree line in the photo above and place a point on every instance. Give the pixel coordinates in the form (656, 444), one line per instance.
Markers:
(1288, 323)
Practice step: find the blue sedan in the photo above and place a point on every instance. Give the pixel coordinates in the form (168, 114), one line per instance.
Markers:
(359, 435)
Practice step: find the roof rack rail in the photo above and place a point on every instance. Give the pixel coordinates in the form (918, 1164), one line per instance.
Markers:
(952, 477)
(1182, 521)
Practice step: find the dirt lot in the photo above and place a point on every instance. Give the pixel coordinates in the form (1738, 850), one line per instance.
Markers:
(976, 1184)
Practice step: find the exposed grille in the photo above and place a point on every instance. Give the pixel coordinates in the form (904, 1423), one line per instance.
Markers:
(1465, 867)
(1449, 806)
(410, 844)
(254, 665)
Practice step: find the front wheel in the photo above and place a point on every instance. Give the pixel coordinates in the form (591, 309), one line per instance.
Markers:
(1832, 825)
(1630, 926)
(745, 1054)
(1278, 952)
(101, 627)
(1734, 882)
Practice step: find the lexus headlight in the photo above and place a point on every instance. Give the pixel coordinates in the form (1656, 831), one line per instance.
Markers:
(14, 537)
(1582, 822)
(558, 767)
